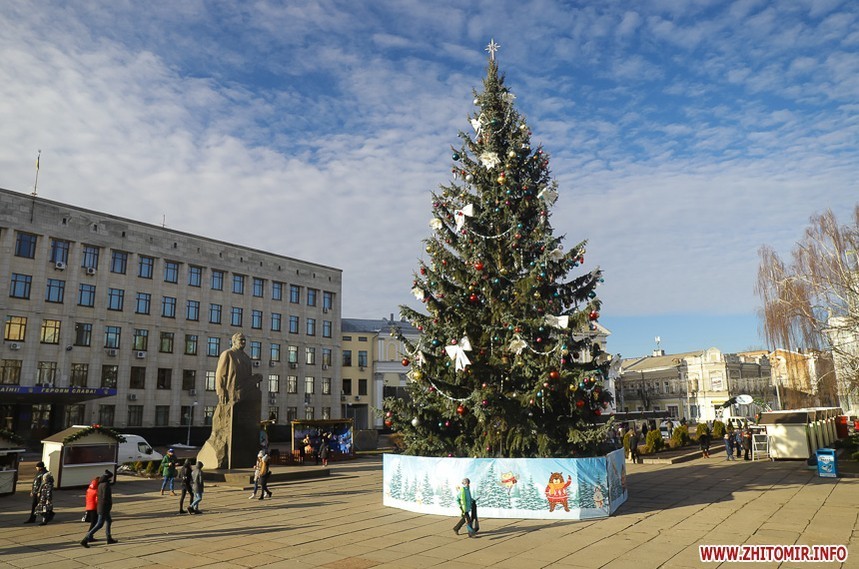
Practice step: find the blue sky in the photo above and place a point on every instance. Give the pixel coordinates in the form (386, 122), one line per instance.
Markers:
(684, 135)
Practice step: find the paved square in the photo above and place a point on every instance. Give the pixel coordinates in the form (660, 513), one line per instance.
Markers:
(339, 523)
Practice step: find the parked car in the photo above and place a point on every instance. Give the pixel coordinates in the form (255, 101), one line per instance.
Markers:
(135, 448)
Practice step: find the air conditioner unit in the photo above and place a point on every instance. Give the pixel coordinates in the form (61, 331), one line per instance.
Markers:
(111, 352)
(14, 346)
(132, 397)
(90, 271)
(256, 363)
(272, 363)
(357, 398)
(293, 365)
(60, 266)
(192, 392)
(272, 400)
(140, 355)
(324, 366)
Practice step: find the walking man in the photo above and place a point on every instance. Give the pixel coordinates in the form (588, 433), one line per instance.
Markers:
(185, 480)
(196, 488)
(104, 505)
(168, 471)
(463, 498)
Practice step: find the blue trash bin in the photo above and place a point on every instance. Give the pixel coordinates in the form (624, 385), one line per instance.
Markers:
(827, 463)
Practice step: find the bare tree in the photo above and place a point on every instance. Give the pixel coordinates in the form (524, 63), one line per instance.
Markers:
(813, 304)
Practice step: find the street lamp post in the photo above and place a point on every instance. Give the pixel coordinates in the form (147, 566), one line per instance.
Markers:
(190, 420)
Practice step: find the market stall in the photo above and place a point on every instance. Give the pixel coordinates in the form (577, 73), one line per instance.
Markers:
(11, 446)
(78, 454)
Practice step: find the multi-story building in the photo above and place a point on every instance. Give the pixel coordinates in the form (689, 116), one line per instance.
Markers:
(117, 322)
(372, 367)
(694, 385)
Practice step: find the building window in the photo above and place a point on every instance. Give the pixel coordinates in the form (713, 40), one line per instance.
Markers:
(291, 413)
(83, 334)
(308, 413)
(171, 272)
(135, 415)
(15, 329)
(273, 383)
(276, 290)
(293, 324)
(74, 415)
(347, 387)
(90, 257)
(275, 352)
(55, 291)
(326, 413)
(309, 385)
(112, 336)
(294, 294)
(47, 373)
(138, 378)
(108, 376)
(362, 387)
(50, 332)
(144, 300)
(255, 350)
(213, 347)
(210, 381)
(79, 375)
(214, 313)
(190, 344)
(10, 372)
(195, 276)
(25, 245)
(310, 356)
(275, 322)
(327, 300)
(347, 358)
(86, 295)
(326, 328)
(119, 262)
(140, 341)
(165, 346)
(236, 316)
(168, 307)
(162, 415)
(192, 310)
(106, 414)
(165, 375)
(258, 287)
(238, 284)
(115, 299)
(326, 386)
(60, 251)
(362, 358)
(20, 286)
(217, 279)
(189, 379)
(326, 356)
(145, 267)
(209, 412)
(291, 384)
(256, 319)
(273, 413)
(186, 415)
(311, 326)
(311, 296)
(292, 354)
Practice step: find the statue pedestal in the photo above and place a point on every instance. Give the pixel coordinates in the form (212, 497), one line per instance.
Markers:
(234, 441)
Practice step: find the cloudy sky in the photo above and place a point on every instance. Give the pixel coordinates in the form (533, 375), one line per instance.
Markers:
(684, 135)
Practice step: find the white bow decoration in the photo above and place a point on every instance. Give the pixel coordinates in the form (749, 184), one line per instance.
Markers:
(457, 353)
(490, 160)
(517, 344)
(475, 124)
(557, 321)
(548, 195)
(419, 293)
(435, 223)
(556, 254)
(461, 214)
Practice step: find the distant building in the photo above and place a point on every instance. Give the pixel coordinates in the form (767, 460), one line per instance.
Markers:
(117, 322)
(802, 379)
(372, 367)
(694, 385)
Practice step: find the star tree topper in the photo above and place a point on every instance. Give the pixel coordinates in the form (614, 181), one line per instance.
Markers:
(492, 48)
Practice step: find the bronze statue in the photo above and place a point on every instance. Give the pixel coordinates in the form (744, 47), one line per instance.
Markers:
(235, 423)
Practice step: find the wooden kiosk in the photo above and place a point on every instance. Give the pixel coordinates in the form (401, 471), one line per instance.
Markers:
(11, 445)
(78, 454)
(339, 439)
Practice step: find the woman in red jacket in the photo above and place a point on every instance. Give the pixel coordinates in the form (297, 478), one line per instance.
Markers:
(92, 504)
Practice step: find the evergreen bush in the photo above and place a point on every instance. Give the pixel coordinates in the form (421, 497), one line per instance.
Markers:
(654, 442)
(680, 436)
(718, 429)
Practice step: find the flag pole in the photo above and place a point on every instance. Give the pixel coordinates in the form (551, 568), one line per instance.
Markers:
(36, 184)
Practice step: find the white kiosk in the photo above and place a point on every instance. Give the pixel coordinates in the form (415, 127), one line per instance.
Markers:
(11, 445)
(78, 454)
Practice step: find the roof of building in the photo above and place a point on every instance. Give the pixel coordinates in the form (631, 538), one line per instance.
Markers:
(645, 363)
(376, 325)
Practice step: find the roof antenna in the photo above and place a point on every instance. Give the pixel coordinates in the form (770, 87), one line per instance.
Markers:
(36, 184)
(163, 220)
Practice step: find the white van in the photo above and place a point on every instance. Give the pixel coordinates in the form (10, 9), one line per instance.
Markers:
(135, 448)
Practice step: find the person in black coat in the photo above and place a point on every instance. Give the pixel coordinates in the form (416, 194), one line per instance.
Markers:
(185, 480)
(104, 506)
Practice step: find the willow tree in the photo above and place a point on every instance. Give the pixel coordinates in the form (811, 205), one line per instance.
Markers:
(812, 303)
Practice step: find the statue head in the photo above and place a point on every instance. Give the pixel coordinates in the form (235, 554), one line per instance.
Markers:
(239, 341)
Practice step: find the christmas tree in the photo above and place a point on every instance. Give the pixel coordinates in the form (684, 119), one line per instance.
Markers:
(532, 498)
(505, 365)
(489, 492)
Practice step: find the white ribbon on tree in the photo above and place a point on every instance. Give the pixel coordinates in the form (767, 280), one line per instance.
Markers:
(556, 254)
(436, 224)
(548, 195)
(457, 353)
(557, 321)
(461, 214)
(517, 344)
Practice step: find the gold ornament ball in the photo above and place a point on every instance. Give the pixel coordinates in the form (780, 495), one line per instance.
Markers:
(418, 374)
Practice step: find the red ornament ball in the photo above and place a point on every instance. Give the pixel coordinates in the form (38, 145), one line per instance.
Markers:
(478, 265)
(594, 315)
(580, 403)
(554, 374)
(406, 362)
(461, 410)
(388, 422)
